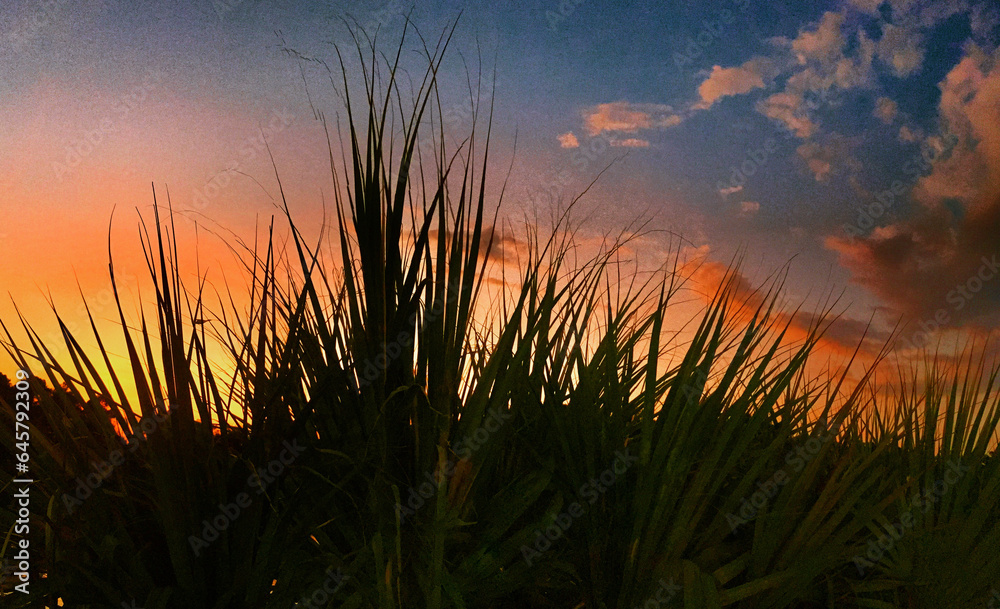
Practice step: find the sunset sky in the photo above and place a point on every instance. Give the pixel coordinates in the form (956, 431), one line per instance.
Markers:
(859, 140)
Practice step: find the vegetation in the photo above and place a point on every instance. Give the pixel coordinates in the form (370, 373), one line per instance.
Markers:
(388, 437)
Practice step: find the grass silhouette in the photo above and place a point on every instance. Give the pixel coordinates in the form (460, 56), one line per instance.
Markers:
(386, 438)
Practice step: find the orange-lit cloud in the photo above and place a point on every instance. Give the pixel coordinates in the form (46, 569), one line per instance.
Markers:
(625, 117)
(825, 154)
(568, 140)
(505, 245)
(906, 134)
(787, 108)
(902, 47)
(841, 335)
(723, 82)
(822, 43)
(939, 262)
(885, 110)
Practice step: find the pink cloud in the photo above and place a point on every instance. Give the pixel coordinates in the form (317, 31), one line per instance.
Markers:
(822, 43)
(568, 140)
(886, 110)
(789, 109)
(723, 82)
(625, 117)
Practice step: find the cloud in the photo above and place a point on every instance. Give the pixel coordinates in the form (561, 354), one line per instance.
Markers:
(886, 110)
(631, 143)
(568, 140)
(749, 207)
(902, 44)
(820, 53)
(969, 106)
(789, 110)
(723, 82)
(984, 19)
(835, 54)
(828, 55)
(906, 134)
(866, 6)
(730, 190)
(823, 43)
(817, 159)
(825, 156)
(901, 47)
(505, 244)
(625, 117)
(840, 335)
(819, 62)
(919, 264)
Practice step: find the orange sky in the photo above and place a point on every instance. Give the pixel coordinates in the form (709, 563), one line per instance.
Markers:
(99, 102)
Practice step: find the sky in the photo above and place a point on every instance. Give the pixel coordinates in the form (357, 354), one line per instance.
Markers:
(856, 143)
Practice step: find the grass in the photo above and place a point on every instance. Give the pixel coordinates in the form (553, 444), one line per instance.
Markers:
(449, 451)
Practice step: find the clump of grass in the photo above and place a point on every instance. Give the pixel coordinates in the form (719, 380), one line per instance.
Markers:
(383, 368)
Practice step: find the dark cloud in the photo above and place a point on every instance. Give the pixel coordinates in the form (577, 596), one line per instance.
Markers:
(944, 256)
